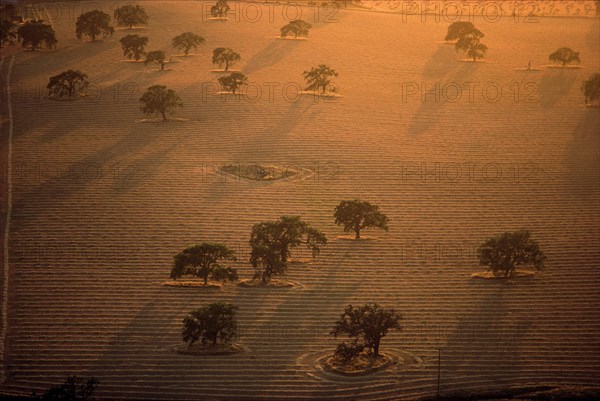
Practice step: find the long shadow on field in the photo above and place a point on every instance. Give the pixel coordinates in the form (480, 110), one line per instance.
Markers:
(485, 347)
(431, 93)
(554, 85)
(270, 55)
(583, 157)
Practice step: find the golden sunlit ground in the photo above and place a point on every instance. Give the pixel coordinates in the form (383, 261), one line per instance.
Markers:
(454, 152)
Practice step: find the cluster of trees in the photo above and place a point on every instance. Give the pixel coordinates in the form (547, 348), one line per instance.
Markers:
(365, 326)
(74, 388)
(272, 243)
(468, 39)
(591, 88)
(565, 55)
(296, 28)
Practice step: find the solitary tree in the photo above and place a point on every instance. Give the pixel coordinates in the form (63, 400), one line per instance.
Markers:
(67, 83)
(233, 82)
(457, 30)
(156, 56)
(131, 14)
(204, 261)
(471, 44)
(220, 9)
(296, 28)
(35, 34)
(7, 32)
(187, 41)
(591, 88)
(211, 324)
(159, 99)
(505, 252)
(73, 389)
(223, 56)
(356, 215)
(319, 78)
(366, 326)
(133, 46)
(565, 56)
(92, 24)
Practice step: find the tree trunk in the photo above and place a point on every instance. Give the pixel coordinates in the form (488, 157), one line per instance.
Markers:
(376, 349)
(226, 66)
(357, 231)
(163, 115)
(206, 279)
(162, 65)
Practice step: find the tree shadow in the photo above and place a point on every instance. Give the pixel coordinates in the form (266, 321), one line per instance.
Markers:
(554, 85)
(583, 157)
(485, 346)
(270, 55)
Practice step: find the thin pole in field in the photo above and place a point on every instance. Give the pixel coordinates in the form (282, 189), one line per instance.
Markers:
(439, 372)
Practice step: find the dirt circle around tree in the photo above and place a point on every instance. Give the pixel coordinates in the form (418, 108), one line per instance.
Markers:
(361, 366)
(199, 349)
(273, 283)
(321, 364)
(518, 274)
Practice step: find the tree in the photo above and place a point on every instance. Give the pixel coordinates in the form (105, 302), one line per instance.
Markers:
(92, 24)
(287, 233)
(471, 44)
(273, 241)
(156, 56)
(591, 88)
(505, 252)
(225, 56)
(220, 9)
(267, 260)
(233, 82)
(297, 28)
(187, 41)
(35, 33)
(159, 99)
(565, 56)
(7, 32)
(133, 46)
(457, 30)
(73, 389)
(131, 14)
(67, 83)
(319, 77)
(356, 215)
(366, 325)
(210, 324)
(204, 261)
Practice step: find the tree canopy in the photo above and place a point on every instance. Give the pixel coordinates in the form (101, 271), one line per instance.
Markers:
(160, 100)
(591, 88)
(366, 326)
(220, 9)
(565, 56)
(93, 23)
(233, 81)
(319, 78)
(73, 389)
(131, 14)
(223, 56)
(210, 324)
(296, 28)
(273, 241)
(204, 261)
(36, 33)
(503, 253)
(187, 41)
(356, 215)
(133, 46)
(67, 83)
(156, 56)
(7, 32)
(471, 44)
(458, 29)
